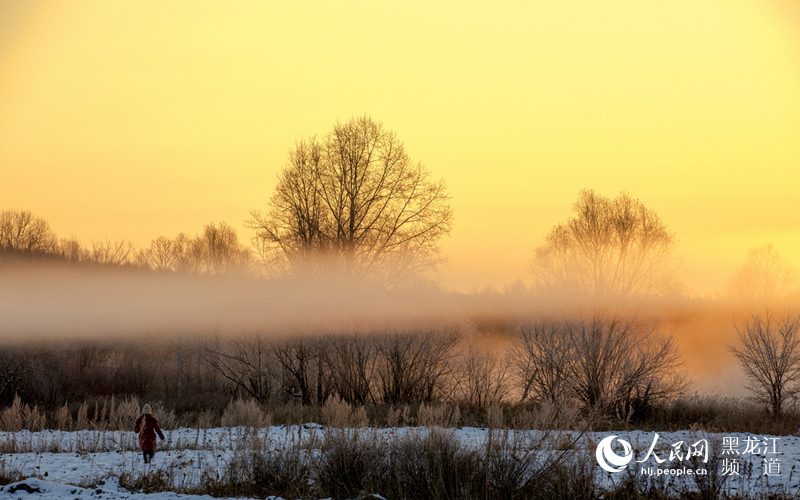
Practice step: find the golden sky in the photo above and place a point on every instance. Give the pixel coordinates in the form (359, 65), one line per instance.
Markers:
(140, 119)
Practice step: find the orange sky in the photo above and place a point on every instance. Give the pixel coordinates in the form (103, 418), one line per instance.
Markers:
(139, 119)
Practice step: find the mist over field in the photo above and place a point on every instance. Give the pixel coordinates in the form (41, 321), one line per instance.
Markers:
(57, 301)
(60, 301)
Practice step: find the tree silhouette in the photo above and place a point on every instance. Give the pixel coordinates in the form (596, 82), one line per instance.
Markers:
(609, 247)
(214, 251)
(354, 203)
(111, 252)
(217, 251)
(21, 231)
(770, 357)
(610, 364)
(165, 253)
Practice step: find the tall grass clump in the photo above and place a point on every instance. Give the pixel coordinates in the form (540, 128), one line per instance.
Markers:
(434, 465)
(11, 417)
(18, 416)
(338, 413)
(244, 413)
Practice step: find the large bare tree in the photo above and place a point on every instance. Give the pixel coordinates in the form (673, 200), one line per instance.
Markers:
(354, 203)
(770, 357)
(248, 363)
(610, 247)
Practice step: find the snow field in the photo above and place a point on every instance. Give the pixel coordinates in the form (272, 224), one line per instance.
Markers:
(81, 463)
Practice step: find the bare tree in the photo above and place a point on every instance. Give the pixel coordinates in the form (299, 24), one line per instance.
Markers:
(111, 253)
(302, 374)
(609, 248)
(71, 249)
(133, 368)
(13, 367)
(164, 253)
(217, 251)
(413, 365)
(23, 232)
(45, 377)
(482, 376)
(617, 366)
(351, 361)
(248, 363)
(542, 356)
(770, 357)
(608, 365)
(764, 276)
(354, 203)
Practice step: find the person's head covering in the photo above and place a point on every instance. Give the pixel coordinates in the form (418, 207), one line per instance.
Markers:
(147, 410)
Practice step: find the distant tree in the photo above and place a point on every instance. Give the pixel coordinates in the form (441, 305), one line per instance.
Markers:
(764, 276)
(217, 251)
(609, 247)
(770, 357)
(23, 232)
(111, 252)
(165, 253)
(71, 249)
(354, 203)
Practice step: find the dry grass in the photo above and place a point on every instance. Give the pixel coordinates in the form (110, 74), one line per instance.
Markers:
(719, 415)
(9, 473)
(244, 413)
(694, 413)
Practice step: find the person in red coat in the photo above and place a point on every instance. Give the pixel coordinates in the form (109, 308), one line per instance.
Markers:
(147, 428)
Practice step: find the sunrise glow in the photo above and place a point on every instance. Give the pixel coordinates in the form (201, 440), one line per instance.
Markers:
(136, 120)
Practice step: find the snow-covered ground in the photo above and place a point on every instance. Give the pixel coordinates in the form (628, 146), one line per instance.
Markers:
(32, 488)
(86, 464)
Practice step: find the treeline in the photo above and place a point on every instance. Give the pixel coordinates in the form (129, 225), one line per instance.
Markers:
(215, 250)
(608, 366)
